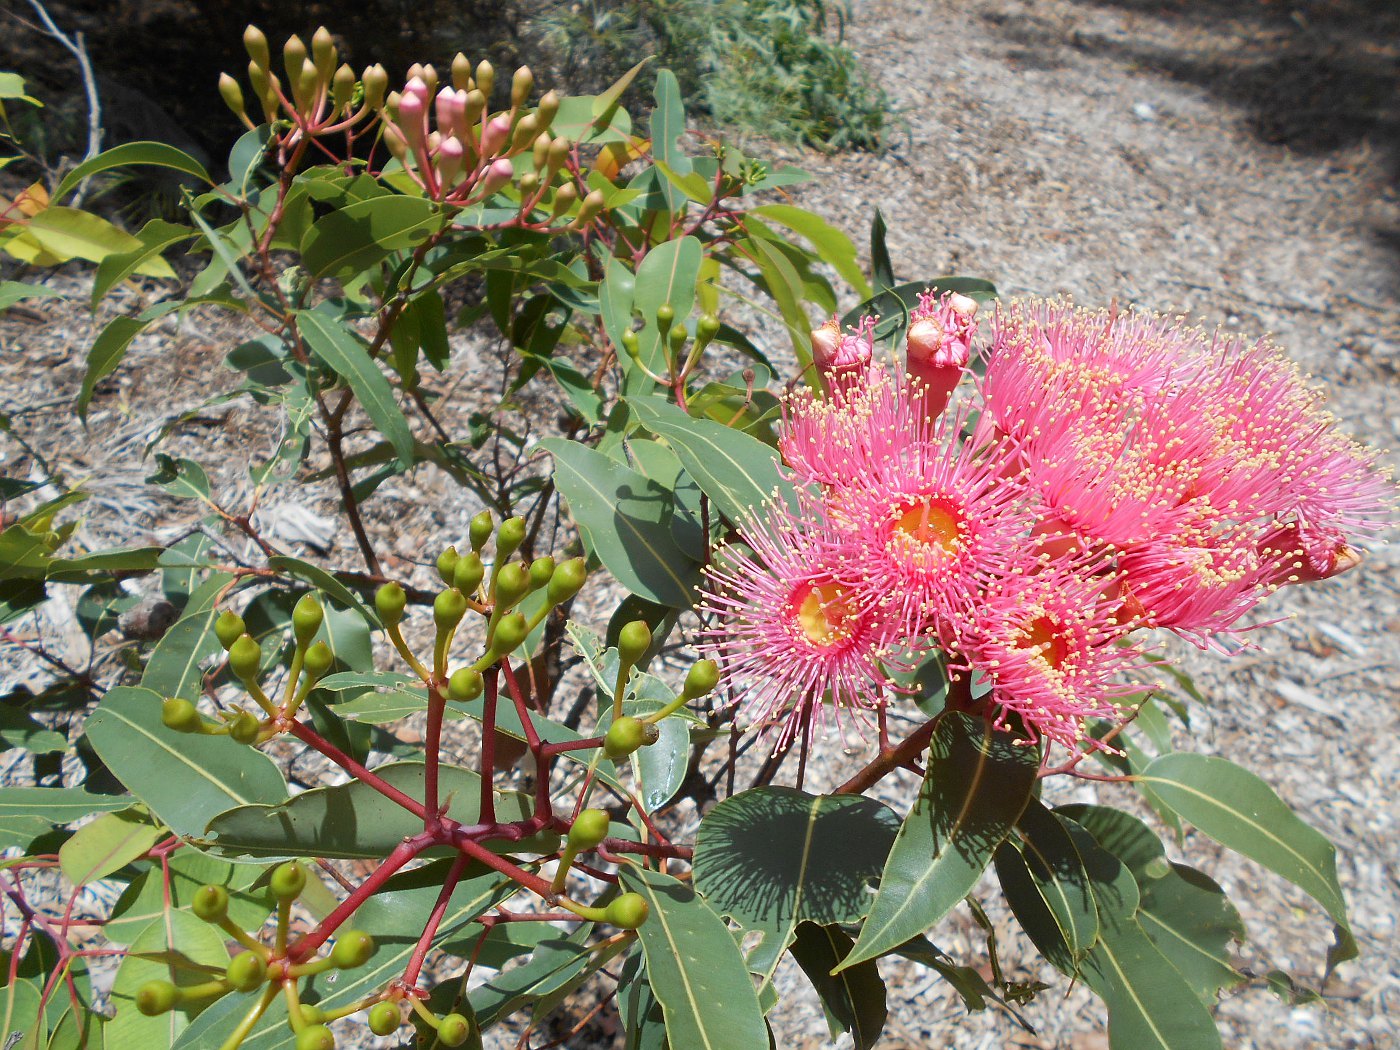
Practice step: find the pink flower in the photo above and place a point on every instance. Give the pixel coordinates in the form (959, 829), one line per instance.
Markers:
(938, 347)
(843, 360)
(790, 638)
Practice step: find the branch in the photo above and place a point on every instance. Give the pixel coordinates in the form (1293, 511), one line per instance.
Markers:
(74, 45)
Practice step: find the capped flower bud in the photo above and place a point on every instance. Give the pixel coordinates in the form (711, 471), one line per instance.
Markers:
(430, 81)
(256, 45)
(702, 677)
(181, 715)
(541, 572)
(376, 82)
(312, 1014)
(385, 1018)
(628, 911)
(232, 95)
(510, 537)
(461, 72)
(476, 105)
(228, 628)
(395, 142)
(245, 657)
(157, 997)
(306, 85)
(410, 117)
(525, 131)
(592, 205)
(390, 602)
(529, 183)
(343, 87)
(547, 109)
(417, 85)
(485, 77)
(512, 584)
(453, 1030)
(448, 609)
(706, 329)
(210, 903)
(494, 135)
(244, 728)
(633, 641)
(315, 1037)
(447, 107)
(294, 55)
(307, 617)
(352, 948)
(287, 881)
(446, 564)
(626, 735)
(509, 633)
(246, 972)
(559, 151)
(565, 197)
(323, 51)
(479, 531)
(521, 85)
(449, 161)
(589, 828)
(318, 660)
(498, 175)
(665, 317)
(676, 338)
(467, 574)
(540, 151)
(465, 684)
(568, 579)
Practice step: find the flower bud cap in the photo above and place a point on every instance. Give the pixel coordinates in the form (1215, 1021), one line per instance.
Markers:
(447, 564)
(448, 609)
(465, 684)
(307, 618)
(633, 641)
(245, 657)
(228, 628)
(568, 579)
(390, 601)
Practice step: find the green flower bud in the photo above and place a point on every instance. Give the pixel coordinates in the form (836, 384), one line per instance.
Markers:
(632, 344)
(592, 205)
(461, 81)
(244, 728)
(256, 45)
(665, 317)
(157, 997)
(312, 1014)
(706, 329)
(352, 948)
(476, 105)
(228, 628)
(541, 572)
(210, 903)
(448, 609)
(512, 584)
(343, 87)
(446, 563)
(376, 82)
(316, 1037)
(318, 660)
(181, 715)
(521, 85)
(633, 641)
(626, 735)
(465, 684)
(628, 912)
(565, 197)
(323, 51)
(479, 531)
(293, 58)
(430, 77)
(509, 633)
(676, 338)
(390, 601)
(540, 152)
(559, 151)
(246, 972)
(568, 579)
(245, 658)
(287, 881)
(305, 85)
(547, 109)
(384, 1018)
(466, 577)
(509, 538)
(702, 677)
(232, 95)
(529, 183)
(526, 128)
(485, 77)
(307, 617)
(453, 1030)
(589, 828)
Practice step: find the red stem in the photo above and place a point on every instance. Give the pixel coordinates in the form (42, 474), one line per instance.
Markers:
(345, 762)
(420, 951)
(404, 852)
(543, 806)
(487, 813)
(432, 748)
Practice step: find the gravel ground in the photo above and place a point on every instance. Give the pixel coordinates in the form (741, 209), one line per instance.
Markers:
(1222, 160)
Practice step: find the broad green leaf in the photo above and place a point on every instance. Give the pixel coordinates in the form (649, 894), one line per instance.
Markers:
(667, 126)
(834, 247)
(322, 580)
(616, 294)
(98, 565)
(21, 1006)
(178, 948)
(107, 844)
(18, 728)
(854, 999)
(666, 277)
(343, 680)
(155, 237)
(778, 279)
(173, 668)
(186, 779)
(625, 519)
(882, 268)
(132, 154)
(772, 857)
(67, 233)
(352, 239)
(1241, 812)
(354, 820)
(1187, 916)
(1150, 1005)
(555, 961)
(12, 292)
(144, 900)
(57, 805)
(977, 783)
(643, 1020)
(106, 353)
(695, 968)
(343, 352)
(738, 472)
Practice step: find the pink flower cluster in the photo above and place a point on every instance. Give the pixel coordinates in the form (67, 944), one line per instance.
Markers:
(1110, 473)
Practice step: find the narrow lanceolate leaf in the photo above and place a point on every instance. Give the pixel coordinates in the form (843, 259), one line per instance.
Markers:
(1240, 811)
(854, 999)
(625, 519)
(831, 244)
(174, 666)
(357, 237)
(816, 857)
(695, 968)
(184, 778)
(1150, 1005)
(133, 154)
(346, 355)
(178, 948)
(106, 353)
(978, 782)
(1047, 887)
(738, 472)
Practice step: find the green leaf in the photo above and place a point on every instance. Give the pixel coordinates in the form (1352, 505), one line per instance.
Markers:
(772, 857)
(882, 269)
(107, 844)
(324, 581)
(107, 352)
(978, 782)
(18, 728)
(178, 948)
(99, 565)
(833, 246)
(173, 668)
(1241, 812)
(556, 960)
(854, 999)
(738, 472)
(339, 348)
(695, 968)
(354, 820)
(145, 900)
(155, 237)
(12, 292)
(667, 126)
(783, 283)
(625, 519)
(643, 1020)
(21, 1007)
(133, 154)
(1150, 1005)
(666, 277)
(186, 779)
(62, 234)
(352, 239)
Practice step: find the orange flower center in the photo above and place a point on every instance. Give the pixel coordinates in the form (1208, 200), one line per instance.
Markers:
(928, 530)
(822, 613)
(1050, 640)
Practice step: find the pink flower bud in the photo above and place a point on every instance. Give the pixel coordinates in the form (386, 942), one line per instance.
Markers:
(449, 161)
(843, 360)
(497, 175)
(1303, 554)
(417, 86)
(495, 134)
(411, 116)
(447, 109)
(938, 347)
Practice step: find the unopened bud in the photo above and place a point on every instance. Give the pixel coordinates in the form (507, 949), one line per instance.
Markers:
(449, 161)
(589, 828)
(396, 143)
(568, 579)
(701, 679)
(410, 117)
(448, 107)
(294, 54)
(228, 628)
(244, 728)
(510, 536)
(485, 77)
(525, 131)
(448, 609)
(494, 135)
(540, 151)
(446, 563)
(307, 617)
(468, 572)
(376, 82)
(430, 81)
(706, 329)
(480, 529)
(529, 183)
(232, 95)
(592, 205)
(565, 197)
(512, 584)
(308, 83)
(256, 45)
(559, 151)
(633, 641)
(417, 85)
(465, 684)
(245, 658)
(461, 72)
(323, 51)
(626, 735)
(498, 175)
(343, 87)
(318, 660)
(547, 109)
(541, 572)
(632, 344)
(509, 633)
(665, 315)
(476, 105)
(180, 715)
(390, 602)
(521, 85)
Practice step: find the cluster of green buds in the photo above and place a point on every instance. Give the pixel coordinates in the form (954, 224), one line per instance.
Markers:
(672, 338)
(272, 969)
(311, 660)
(321, 95)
